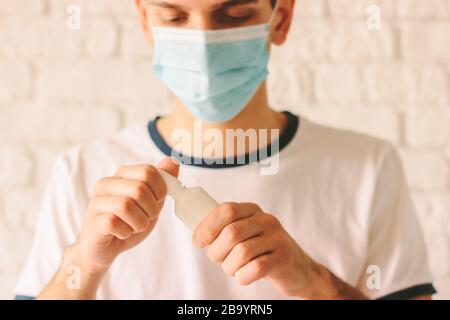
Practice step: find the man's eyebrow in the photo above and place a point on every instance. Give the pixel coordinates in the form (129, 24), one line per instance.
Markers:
(232, 3)
(165, 4)
(225, 4)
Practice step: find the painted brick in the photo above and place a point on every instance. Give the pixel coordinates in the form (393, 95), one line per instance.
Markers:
(428, 128)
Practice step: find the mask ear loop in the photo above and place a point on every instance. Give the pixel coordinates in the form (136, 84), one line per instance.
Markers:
(274, 14)
(271, 20)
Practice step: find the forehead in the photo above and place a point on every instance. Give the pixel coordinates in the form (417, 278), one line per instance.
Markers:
(202, 4)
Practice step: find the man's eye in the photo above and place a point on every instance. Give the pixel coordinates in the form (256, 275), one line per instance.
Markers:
(171, 16)
(239, 18)
(234, 16)
(173, 19)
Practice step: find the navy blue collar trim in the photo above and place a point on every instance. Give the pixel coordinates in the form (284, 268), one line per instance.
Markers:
(285, 138)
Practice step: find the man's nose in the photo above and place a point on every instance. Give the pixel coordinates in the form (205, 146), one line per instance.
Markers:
(201, 21)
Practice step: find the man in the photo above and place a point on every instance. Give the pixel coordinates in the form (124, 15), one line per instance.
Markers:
(334, 220)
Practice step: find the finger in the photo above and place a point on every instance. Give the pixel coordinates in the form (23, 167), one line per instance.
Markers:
(226, 213)
(255, 269)
(136, 189)
(148, 174)
(110, 224)
(233, 234)
(170, 165)
(123, 207)
(244, 252)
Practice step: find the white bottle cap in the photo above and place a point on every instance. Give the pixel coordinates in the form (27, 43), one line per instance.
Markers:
(174, 186)
(192, 205)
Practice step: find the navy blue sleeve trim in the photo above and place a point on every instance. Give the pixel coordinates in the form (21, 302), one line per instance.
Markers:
(411, 292)
(19, 297)
(408, 293)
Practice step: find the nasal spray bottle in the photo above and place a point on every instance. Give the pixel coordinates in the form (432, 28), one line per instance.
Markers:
(192, 205)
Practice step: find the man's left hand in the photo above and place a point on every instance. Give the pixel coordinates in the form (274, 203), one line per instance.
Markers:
(251, 244)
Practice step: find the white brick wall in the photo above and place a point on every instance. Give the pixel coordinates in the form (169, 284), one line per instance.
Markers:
(61, 87)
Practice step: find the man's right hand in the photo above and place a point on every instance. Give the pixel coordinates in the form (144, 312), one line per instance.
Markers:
(122, 212)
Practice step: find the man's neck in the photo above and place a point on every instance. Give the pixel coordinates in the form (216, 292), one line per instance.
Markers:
(257, 115)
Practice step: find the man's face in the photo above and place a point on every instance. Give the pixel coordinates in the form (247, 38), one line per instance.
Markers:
(208, 14)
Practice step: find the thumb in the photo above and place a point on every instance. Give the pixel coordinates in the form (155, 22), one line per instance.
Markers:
(170, 165)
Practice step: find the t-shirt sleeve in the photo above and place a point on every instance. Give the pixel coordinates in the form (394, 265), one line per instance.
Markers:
(57, 227)
(396, 264)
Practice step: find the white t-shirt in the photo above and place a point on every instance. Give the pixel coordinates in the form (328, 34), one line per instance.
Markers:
(341, 195)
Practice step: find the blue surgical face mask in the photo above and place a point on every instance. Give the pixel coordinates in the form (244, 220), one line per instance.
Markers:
(215, 73)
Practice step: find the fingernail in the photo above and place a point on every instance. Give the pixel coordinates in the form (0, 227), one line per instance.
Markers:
(175, 161)
(197, 242)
